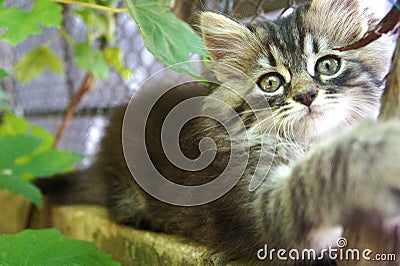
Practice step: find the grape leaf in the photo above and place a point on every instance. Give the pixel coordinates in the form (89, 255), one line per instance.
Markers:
(4, 101)
(12, 148)
(20, 24)
(13, 125)
(114, 58)
(49, 247)
(102, 24)
(21, 161)
(3, 73)
(26, 152)
(47, 138)
(29, 149)
(33, 64)
(47, 163)
(168, 38)
(91, 60)
(20, 186)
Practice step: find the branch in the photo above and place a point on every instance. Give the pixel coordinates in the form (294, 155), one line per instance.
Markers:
(86, 86)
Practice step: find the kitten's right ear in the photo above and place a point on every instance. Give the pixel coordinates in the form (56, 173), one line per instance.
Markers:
(223, 36)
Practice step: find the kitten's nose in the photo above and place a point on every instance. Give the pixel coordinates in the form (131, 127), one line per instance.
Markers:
(306, 97)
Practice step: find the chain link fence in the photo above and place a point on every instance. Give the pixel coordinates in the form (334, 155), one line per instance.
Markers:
(44, 100)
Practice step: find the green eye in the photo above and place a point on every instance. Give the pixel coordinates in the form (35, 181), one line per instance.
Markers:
(328, 65)
(270, 82)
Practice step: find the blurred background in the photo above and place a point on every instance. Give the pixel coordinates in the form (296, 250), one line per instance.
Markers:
(44, 100)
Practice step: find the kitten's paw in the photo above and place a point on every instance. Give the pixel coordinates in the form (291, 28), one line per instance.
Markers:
(373, 169)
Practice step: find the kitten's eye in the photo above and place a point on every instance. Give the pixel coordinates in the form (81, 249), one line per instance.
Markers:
(328, 65)
(270, 82)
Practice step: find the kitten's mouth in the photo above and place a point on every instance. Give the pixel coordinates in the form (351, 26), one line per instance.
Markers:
(310, 112)
(313, 124)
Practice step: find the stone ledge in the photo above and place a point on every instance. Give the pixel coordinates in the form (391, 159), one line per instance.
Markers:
(135, 247)
(126, 245)
(15, 212)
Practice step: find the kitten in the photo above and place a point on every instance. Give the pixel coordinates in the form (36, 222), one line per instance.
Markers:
(324, 168)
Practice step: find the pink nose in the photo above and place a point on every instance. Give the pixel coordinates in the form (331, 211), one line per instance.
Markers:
(306, 97)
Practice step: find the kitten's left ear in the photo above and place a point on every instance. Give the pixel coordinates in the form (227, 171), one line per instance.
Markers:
(222, 36)
(342, 20)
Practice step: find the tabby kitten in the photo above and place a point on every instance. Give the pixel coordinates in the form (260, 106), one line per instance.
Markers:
(325, 169)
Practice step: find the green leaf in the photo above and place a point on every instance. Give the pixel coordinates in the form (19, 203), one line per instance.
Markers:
(49, 247)
(91, 60)
(20, 186)
(33, 64)
(4, 101)
(12, 148)
(3, 73)
(100, 24)
(13, 125)
(23, 155)
(47, 137)
(26, 152)
(114, 58)
(168, 38)
(46, 164)
(20, 24)
(22, 160)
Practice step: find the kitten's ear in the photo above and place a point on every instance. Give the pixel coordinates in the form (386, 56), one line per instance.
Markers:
(376, 8)
(222, 36)
(343, 20)
(324, 4)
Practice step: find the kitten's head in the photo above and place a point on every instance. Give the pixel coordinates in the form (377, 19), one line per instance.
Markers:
(312, 88)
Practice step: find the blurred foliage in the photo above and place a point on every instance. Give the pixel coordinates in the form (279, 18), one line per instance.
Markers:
(20, 24)
(26, 152)
(16, 24)
(49, 247)
(33, 64)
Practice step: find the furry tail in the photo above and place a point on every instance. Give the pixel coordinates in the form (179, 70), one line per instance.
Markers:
(73, 188)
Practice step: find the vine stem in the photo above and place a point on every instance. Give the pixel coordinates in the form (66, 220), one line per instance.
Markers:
(94, 6)
(86, 86)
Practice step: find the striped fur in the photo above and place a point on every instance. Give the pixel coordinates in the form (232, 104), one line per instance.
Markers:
(320, 176)
(325, 168)
(291, 47)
